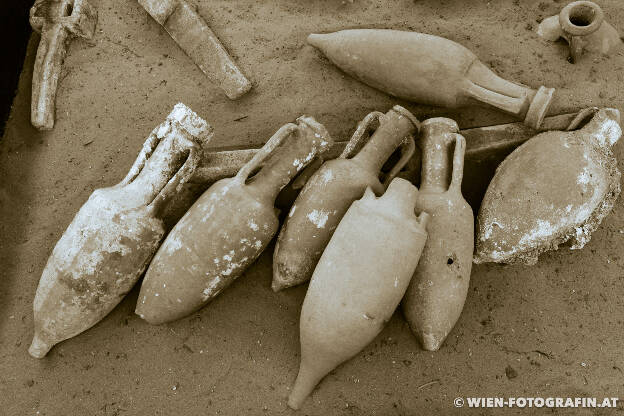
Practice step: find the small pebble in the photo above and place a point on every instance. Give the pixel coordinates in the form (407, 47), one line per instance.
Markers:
(510, 372)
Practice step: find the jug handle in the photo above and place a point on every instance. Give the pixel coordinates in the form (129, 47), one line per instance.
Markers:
(301, 179)
(269, 147)
(146, 152)
(364, 126)
(458, 163)
(408, 147)
(581, 116)
(181, 176)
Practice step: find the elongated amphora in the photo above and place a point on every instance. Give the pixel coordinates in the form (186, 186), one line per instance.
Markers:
(557, 186)
(113, 237)
(430, 70)
(330, 191)
(227, 228)
(437, 292)
(358, 282)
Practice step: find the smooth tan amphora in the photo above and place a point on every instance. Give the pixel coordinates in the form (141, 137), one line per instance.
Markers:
(227, 228)
(436, 295)
(330, 191)
(111, 240)
(428, 69)
(358, 282)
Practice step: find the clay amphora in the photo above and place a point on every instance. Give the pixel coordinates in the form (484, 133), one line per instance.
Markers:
(330, 191)
(557, 186)
(358, 282)
(113, 237)
(227, 228)
(582, 24)
(428, 69)
(57, 21)
(437, 292)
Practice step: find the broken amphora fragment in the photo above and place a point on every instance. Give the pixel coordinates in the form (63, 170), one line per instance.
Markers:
(198, 41)
(113, 237)
(358, 282)
(56, 21)
(227, 228)
(558, 186)
(582, 25)
(436, 295)
(430, 70)
(330, 191)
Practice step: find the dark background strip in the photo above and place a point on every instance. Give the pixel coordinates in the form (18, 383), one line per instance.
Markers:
(16, 31)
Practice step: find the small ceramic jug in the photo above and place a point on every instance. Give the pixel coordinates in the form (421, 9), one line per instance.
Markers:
(330, 191)
(582, 24)
(227, 228)
(437, 292)
(113, 237)
(557, 186)
(430, 70)
(358, 282)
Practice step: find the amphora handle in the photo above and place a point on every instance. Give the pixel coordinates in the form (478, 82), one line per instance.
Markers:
(362, 134)
(181, 176)
(408, 147)
(457, 174)
(391, 132)
(267, 150)
(179, 135)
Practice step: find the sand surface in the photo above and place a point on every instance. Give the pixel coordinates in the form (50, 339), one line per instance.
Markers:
(554, 329)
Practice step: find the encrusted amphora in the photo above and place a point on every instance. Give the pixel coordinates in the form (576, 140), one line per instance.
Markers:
(113, 237)
(557, 186)
(330, 191)
(227, 228)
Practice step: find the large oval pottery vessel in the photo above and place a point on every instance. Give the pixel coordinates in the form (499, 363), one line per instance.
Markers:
(358, 282)
(437, 292)
(330, 191)
(227, 228)
(428, 69)
(112, 238)
(558, 186)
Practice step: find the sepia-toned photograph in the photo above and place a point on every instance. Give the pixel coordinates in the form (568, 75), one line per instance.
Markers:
(311, 207)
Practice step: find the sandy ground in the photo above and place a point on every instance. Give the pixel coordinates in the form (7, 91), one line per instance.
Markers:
(554, 329)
